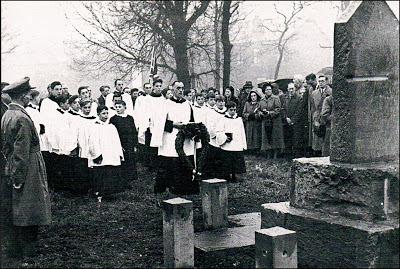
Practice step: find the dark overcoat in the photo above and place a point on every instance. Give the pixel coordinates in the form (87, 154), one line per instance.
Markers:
(317, 99)
(24, 165)
(271, 125)
(296, 111)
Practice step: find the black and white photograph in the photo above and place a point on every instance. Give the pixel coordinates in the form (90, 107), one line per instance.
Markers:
(199, 134)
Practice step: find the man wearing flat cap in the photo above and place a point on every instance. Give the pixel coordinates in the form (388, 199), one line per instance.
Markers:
(25, 174)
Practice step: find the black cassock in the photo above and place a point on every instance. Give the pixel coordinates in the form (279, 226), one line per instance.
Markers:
(128, 135)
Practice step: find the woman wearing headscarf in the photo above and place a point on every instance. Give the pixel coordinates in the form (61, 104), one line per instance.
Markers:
(252, 119)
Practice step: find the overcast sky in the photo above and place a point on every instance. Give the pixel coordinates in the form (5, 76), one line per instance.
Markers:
(43, 31)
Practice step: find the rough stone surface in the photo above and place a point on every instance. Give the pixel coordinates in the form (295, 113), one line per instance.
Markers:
(359, 191)
(238, 237)
(276, 248)
(178, 233)
(225, 238)
(327, 241)
(214, 193)
(365, 124)
(246, 219)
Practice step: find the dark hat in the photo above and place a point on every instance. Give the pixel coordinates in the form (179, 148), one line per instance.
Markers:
(19, 86)
(248, 84)
(4, 84)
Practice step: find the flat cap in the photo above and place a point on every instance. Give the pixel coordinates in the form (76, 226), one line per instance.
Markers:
(19, 86)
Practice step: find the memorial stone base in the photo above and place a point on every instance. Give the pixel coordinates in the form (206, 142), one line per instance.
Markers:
(345, 215)
(333, 241)
(357, 191)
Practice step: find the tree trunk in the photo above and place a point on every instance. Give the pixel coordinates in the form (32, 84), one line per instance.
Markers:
(226, 43)
(278, 64)
(181, 58)
(217, 73)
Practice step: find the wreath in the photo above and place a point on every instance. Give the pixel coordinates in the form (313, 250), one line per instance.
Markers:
(197, 132)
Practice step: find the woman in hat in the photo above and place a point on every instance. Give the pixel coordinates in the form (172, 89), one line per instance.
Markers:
(252, 121)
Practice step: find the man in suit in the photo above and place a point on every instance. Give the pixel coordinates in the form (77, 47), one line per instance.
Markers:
(104, 91)
(317, 99)
(24, 186)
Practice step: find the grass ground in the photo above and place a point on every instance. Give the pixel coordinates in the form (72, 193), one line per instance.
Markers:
(126, 230)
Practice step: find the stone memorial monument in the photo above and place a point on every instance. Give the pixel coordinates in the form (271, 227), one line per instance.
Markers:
(345, 208)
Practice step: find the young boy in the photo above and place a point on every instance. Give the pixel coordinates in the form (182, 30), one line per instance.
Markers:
(210, 100)
(232, 140)
(127, 131)
(106, 156)
(220, 104)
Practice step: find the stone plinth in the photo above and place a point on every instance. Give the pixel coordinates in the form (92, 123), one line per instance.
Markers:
(276, 247)
(178, 233)
(326, 241)
(358, 191)
(365, 116)
(214, 195)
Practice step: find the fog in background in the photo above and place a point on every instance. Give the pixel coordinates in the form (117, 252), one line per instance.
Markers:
(44, 34)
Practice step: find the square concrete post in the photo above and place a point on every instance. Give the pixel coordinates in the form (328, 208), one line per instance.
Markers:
(178, 233)
(214, 193)
(276, 248)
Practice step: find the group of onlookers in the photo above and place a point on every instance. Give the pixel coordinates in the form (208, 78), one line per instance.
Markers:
(294, 123)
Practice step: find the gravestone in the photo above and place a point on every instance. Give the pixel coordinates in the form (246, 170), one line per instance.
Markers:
(365, 124)
(345, 208)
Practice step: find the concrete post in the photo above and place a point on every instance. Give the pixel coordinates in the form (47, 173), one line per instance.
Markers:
(178, 233)
(276, 248)
(214, 193)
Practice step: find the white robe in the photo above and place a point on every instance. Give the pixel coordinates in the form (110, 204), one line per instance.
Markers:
(149, 113)
(85, 127)
(64, 133)
(48, 113)
(175, 112)
(105, 141)
(213, 124)
(236, 127)
(36, 117)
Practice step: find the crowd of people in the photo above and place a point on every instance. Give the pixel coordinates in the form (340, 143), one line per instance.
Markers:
(183, 135)
(293, 122)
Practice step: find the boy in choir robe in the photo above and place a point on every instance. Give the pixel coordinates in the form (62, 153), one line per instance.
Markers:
(106, 156)
(210, 100)
(74, 107)
(33, 111)
(48, 111)
(199, 108)
(84, 124)
(214, 116)
(85, 95)
(188, 95)
(173, 172)
(145, 117)
(126, 128)
(65, 144)
(232, 140)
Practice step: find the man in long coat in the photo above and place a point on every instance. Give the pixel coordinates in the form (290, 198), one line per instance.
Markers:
(317, 99)
(25, 181)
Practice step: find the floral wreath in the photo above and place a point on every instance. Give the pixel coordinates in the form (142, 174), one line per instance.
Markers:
(198, 132)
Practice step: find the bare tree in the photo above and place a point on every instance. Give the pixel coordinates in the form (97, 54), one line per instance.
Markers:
(7, 39)
(281, 31)
(119, 35)
(217, 33)
(229, 10)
